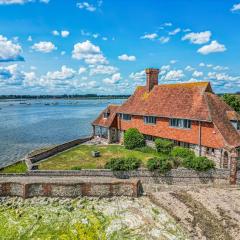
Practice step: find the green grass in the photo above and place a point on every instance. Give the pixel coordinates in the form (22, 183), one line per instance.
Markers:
(81, 157)
(19, 167)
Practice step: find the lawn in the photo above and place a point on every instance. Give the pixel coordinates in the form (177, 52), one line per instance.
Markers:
(80, 156)
(19, 167)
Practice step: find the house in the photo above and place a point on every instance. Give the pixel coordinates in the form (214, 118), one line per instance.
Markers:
(189, 114)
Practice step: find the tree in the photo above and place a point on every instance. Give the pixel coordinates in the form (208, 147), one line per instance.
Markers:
(233, 101)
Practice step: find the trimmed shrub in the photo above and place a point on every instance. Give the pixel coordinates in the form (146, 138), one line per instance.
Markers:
(133, 139)
(123, 164)
(199, 163)
(163, 164)
(163, 145)
(182, 153)
(76, 168)
(146, 149)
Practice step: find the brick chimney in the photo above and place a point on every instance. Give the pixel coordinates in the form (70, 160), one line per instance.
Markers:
(152, 78)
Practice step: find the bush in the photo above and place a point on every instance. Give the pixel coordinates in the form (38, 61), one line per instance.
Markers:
(163, 164)
(163, 146)
(123, 164)
(133, 139)
(76, 168)
(146, 149)
(199, 163)
(182, 153)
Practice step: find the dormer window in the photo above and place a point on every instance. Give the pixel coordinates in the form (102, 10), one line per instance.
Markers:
(180, 123)
(236, 124)
(106, 114)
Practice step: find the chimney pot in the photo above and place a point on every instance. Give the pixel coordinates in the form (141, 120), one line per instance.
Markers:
(152, 77)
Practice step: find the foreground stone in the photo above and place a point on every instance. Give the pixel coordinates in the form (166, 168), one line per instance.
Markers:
(86, 218)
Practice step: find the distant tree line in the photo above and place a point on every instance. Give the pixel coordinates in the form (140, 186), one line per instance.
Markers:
(64, 96)
(233, 100)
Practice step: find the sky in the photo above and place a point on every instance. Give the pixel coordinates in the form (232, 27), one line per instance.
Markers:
(103, 46)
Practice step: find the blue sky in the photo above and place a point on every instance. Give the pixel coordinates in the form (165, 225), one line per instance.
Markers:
(93, 46)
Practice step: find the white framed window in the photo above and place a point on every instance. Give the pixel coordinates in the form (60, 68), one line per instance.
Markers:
(106, 114)
(180, 123)
(126, 117)
(149, 120)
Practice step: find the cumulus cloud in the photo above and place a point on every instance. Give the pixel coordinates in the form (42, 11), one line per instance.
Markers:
(174, 75)
(236, 7)
(88, 52)
(65, 33)
(125, 57)
(138, 76)
(29, 38)
(197, 74)
(164, 39)
(198, 38)
(175, 31)
(150, 36)
(45, 47)
(9, 51)
(10, 75)
(103, 69)
(55, 33)
(64, 74)
(82, 70)
(114, 79)
(189, 68)
(10, 2)
(213, 47)
(85, 5)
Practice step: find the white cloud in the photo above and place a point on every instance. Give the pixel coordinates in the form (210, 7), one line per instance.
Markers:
(236, 7)
(9, 51)
(164, 39)
(138, 76)
(198, 38)
(103, 69)
(165, 67)
(197, 74)
(88, 52)
(10, 75)
(104, 38)
(113, 80)
(220, 68)
(189, 68)
(29, 38)
(65, 33)
(167, 24)
(45, 47)
(64, 74)
(126, 57)
(150, 36)
(55, 33)
(173, 61)
(202, 64)
(175, 31)
(213, 47)
(63, 53)
(174, 75)
(222, 77)
(82, 70)
(9, 2)
(85, 5)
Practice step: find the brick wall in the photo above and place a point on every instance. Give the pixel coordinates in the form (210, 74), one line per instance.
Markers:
(130, 188)
(210, 135)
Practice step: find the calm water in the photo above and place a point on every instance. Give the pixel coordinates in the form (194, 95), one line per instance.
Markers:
(24, 127)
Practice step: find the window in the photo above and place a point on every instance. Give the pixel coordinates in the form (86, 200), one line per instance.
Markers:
(149, 120)
(210, 151)
(106, 114)
(180, 123)
(126, 117)
(236, 124)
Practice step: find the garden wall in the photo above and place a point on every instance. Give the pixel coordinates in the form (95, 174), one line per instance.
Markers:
(30, 160)
(175, 176)
(130, 188)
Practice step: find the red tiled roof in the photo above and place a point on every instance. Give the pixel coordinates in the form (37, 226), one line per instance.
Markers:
(184, 100)
(106, 122)
(220, 112)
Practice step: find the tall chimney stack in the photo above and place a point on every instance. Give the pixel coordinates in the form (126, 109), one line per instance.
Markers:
(152, 78)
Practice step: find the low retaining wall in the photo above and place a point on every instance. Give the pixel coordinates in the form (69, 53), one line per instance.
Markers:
(30, 160)
(175, 176)
(75, 189)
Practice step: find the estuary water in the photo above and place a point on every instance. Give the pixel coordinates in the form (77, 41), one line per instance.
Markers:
(31, 124)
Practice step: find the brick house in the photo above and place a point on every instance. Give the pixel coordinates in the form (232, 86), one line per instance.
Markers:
(189, 114)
